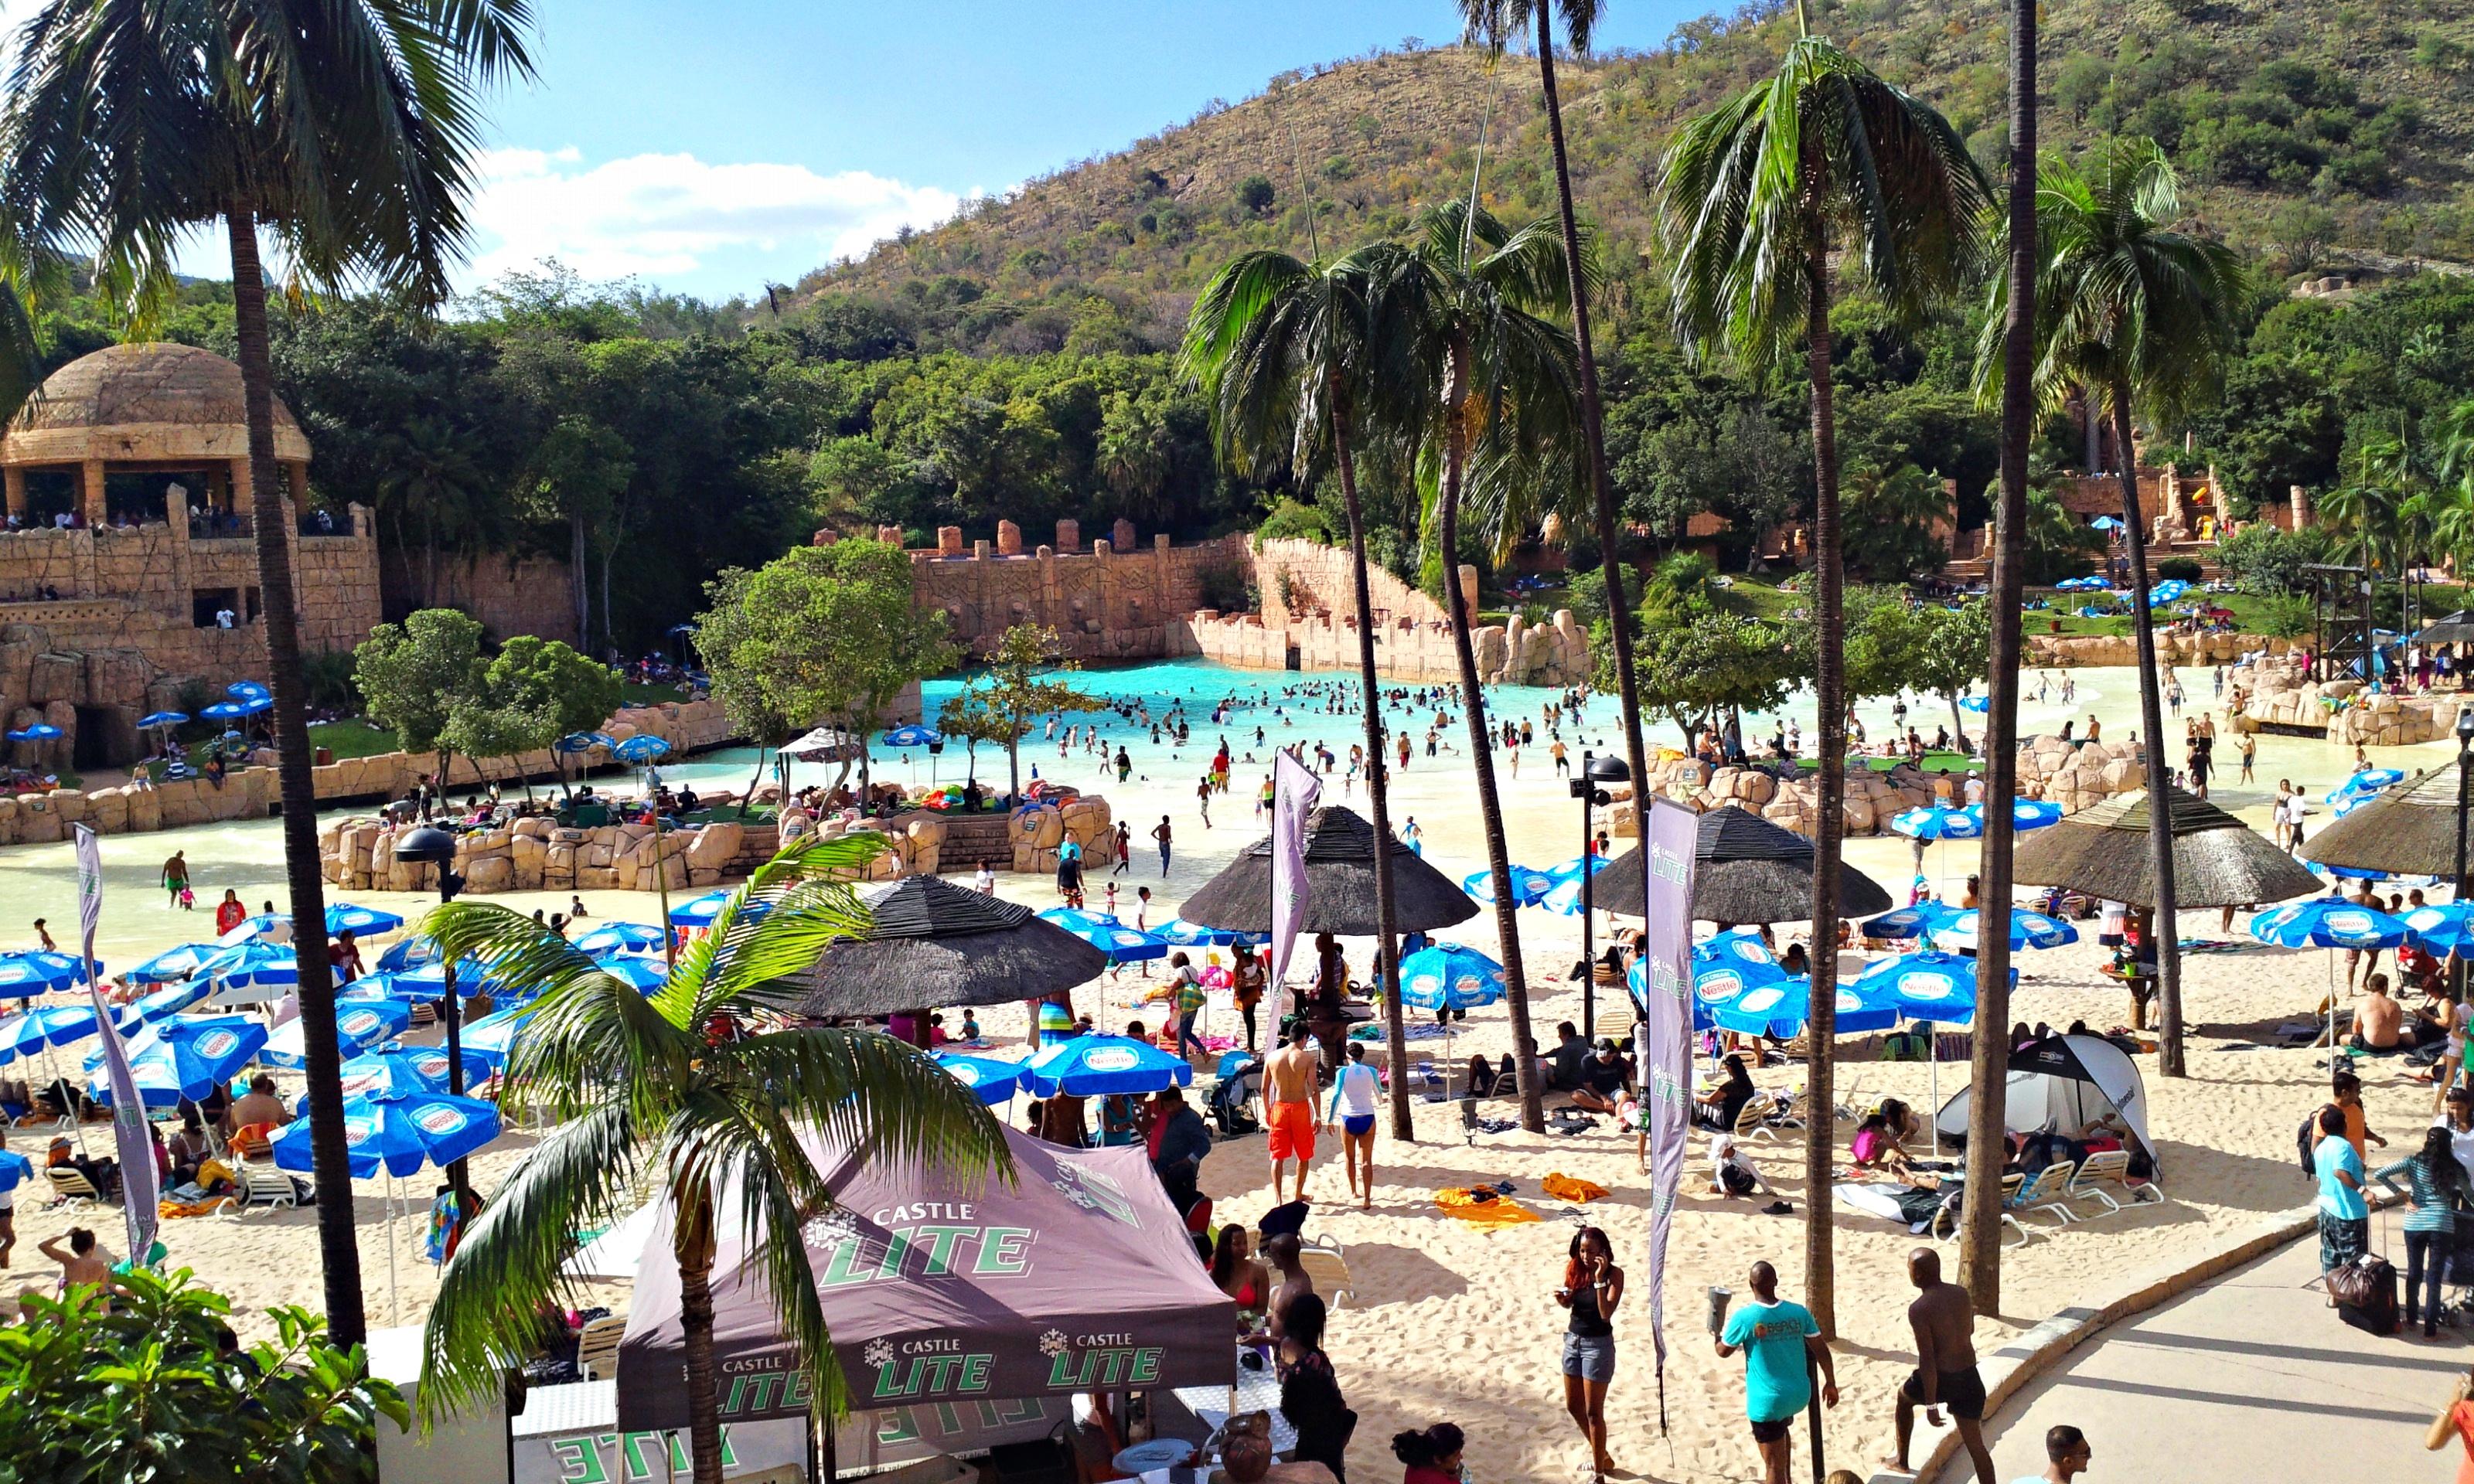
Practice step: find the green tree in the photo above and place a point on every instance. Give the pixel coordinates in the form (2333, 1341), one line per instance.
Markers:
(148, 1389)
(1297, 362)
(1754, 196)
(1889, 523)
(1717, 664)
(2055, 546)
(1953, 655)
(345, 131)
(820, 634)
(1493, 24)
(2127, 304)
(414, 676)
(576, 477)
(544, 690)
(1007, 702)
(968, 717)
(639, 1098)
(1507, 391)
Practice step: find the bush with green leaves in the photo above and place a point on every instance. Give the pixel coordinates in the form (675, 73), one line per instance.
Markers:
(1292, 520)
(157, 1389)
(2265, 561)
(2179, 569)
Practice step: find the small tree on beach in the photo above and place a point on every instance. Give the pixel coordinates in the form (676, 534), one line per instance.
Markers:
(414, 675)
(643, 1103)
(1015, 693)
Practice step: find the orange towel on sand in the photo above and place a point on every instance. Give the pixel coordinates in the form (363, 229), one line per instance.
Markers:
(1499, 1211)
(1563, 1187)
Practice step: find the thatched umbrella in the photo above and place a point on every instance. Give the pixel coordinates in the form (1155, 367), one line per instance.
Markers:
(2218, 861)
(1339, 872)
(2457, 627)
(2408, 828)
(937, 943)
(1745, 868)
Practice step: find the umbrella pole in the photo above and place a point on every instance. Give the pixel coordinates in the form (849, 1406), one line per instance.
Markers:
(395, 1310)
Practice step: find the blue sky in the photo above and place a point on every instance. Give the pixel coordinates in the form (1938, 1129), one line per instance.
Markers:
(713, 147)
(716, 146)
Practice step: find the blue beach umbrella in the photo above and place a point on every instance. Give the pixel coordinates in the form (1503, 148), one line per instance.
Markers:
(581, 742)
(429, 981)
(40, 972)
(644, 975)
(1928, 986)
(493, 1036)
(32, 1030)
(258, 707)
(2104, 523)
(1180, 933)
(2024, 814)
(398, 1068)
(2446, 929)
(643, 746)
(220, 711)
(1449, 976)
(2327, 923)
(2169, 591)
(1121, 944)
(248, 964)
(613, 938)
(163, 718)
(1528, 886)
(2364, 784)
(912, 736)
(1570, 870)
(408, 953)
(1937, 823)
(359, 1024)
(1782, 1009)
(1104, 1065)
(249, 690)
(170, 1000)
(185, 1057)
(1976, 704)
(14, 1169)
(173, 964)
(2029, 929)
(254, 926)
(40, 731)
(1921, 921)
(1723, 970)
(397, 1132)
(698, 911)
(994, 1079)
(344, 917)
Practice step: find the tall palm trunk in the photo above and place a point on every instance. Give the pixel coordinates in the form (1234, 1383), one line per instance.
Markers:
(1988, 1072)
(330, 1154)
(2151, 726)
(1830, 687)
(693, 1247)
(1379, 786)
(1602, 489)
(1490, 808)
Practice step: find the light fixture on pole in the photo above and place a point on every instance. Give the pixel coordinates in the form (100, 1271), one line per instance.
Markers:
(431, 846)
(1594, 771)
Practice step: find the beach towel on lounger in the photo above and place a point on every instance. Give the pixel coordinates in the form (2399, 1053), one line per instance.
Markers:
(1494, 1211)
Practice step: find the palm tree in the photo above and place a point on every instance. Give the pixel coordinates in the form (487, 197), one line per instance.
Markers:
(1754, 196)
(1300, 362)
(1491, 24)
(1506, 384)
(2129, 306)
(648, 1104)
(1980, 1239)
(345, 130)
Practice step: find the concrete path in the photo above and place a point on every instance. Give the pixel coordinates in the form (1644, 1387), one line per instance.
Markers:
(2251, 1379)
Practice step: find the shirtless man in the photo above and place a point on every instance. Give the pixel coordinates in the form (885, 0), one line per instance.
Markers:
(1289, 1107)
(83, 1263)
(1943, 1319)
(1281, 1252)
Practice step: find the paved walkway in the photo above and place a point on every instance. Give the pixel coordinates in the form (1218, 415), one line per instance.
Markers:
(2249, 1378)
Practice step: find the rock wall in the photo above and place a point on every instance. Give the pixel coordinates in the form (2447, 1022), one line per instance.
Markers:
(2284, 696)
(688, 726)
(1115, 601)
(1303, 579)
(2071, 651)
(1405, 649)
(1038, 832)
(508, 595)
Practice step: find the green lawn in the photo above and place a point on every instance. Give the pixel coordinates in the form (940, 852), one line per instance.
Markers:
(354, 738)
(634, 694)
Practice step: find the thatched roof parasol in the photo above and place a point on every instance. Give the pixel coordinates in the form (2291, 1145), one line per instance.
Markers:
(2408, 828)
(1745, 870)
(1340, 872)
(937, 943)
(2218, 861)
(2457, 627)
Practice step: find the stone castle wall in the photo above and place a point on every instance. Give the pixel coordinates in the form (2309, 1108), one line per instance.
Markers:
(1553, 653)
(509, 595)
(1118, 600)
(1303, 580)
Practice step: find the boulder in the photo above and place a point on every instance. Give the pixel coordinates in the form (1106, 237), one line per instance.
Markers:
(489, 873)
(715, 846)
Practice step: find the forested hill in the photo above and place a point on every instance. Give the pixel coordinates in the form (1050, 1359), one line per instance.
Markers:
(2313, 135)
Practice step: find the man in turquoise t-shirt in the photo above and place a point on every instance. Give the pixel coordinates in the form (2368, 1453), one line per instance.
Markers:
(1775, 1336)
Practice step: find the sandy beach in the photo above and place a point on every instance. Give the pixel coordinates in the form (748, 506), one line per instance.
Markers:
(1450, 1321)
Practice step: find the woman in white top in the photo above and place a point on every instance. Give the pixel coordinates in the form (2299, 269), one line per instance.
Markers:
(1353, 1095)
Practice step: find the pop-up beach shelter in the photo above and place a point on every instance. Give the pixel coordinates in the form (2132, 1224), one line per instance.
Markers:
(1079, 1278)
(2064, 1083)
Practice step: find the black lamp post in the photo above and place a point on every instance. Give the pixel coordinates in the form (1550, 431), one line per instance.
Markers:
(1594, 771)
(431, 846)
(2464, 767)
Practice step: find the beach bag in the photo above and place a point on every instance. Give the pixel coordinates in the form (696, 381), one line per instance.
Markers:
(2365, 1291)
(2306, 1139)
(1904, 1046)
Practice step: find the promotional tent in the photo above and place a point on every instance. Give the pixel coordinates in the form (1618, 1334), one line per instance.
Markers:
(1079, 1278)
(2064, 1083)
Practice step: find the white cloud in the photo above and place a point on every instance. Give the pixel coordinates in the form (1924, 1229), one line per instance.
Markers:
(664, 216)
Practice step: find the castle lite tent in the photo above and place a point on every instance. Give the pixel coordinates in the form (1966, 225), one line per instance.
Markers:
(2064, 1083)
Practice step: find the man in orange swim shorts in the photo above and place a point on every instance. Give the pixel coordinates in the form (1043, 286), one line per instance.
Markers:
(1289, 1088)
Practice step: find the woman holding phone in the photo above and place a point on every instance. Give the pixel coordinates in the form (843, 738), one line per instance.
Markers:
(1592, 1287)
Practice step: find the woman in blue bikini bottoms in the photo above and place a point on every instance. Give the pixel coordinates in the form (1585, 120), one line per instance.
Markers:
(1353, 1095)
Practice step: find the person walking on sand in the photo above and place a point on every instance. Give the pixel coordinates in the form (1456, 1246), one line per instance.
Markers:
(1125, 848)
(1943, 1317)
(1776, 1337)
(1160, 833)
(1592, 1286)
(1289, 1107)
(1351, 1115)
(175, 877)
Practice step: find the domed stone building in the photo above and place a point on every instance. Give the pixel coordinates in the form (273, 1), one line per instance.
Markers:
(129, 564)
